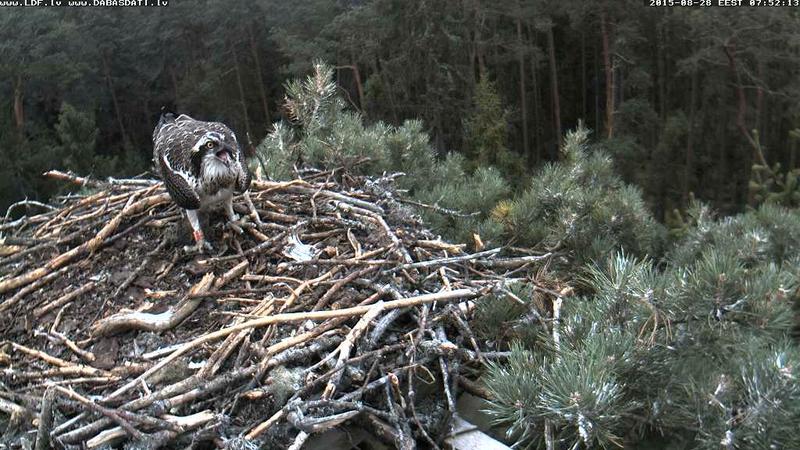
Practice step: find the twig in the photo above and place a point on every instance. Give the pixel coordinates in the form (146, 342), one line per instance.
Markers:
(398, 245)
(64, 299)
(463, 326)
(31, 288)
(346, 346)
(84, 370)
(381, 326)
(292, 317)
(437, 208)
(111, 414)
(260, 428)
(253, 211)
(451, 403)
(512, 262)
(85, 181)
(154, 322)
(88, 246)
(299, 441)
(28, 203)
(443, 261)
(17, 413)
(301, 187)
(325, 299)
(45, 420)
(474, 388)
(185, 423)
(54, 335)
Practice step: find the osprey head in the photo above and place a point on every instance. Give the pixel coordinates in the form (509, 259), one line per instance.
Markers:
(213, 147)
(211, 155)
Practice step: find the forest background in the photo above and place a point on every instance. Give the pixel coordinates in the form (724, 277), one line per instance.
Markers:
(684, 100)
(652, 152)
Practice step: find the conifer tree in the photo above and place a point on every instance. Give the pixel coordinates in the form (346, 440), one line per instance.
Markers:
(581, 207)
(696, 352)
(486, 132)
(78, 137)
(322, 133)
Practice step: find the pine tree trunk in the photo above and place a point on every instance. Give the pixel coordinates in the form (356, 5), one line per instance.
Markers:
(688, 167)
(357, 78)
(662, 79)
(537, 138)
(536, 150)
(760, 105)
(596, 85)
(19, 106)
(582, 109)
(471, 9)
(551, 51)
(522, 101)
(479, 50)
(259, 76)
(379, 65)
(609, 70)
(741, 100)
(359, 86)
(722, 167)
(241, 92)
(117, 110)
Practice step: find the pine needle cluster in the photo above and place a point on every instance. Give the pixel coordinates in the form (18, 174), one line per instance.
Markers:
(323, 134)
(579, 205)
(696, 353)
(773, 184)
(685, 344)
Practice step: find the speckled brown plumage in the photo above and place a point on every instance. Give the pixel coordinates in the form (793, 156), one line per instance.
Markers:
(181, 163)
(201, 164)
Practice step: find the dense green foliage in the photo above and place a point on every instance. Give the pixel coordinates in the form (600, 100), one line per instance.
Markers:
(673, 94)
(691, 350)
(578, 206)
(698, 352)
(321, 133)
(631, 335)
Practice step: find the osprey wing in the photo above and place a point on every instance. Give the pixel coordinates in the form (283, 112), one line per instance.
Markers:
(174, 139)
(180, 189)
(244, 177)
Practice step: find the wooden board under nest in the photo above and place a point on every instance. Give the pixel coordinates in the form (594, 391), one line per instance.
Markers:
(335, 306)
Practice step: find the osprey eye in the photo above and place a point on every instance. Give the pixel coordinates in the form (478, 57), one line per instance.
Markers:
(210, 144)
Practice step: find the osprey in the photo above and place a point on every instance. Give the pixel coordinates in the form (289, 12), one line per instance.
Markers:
(201, 164)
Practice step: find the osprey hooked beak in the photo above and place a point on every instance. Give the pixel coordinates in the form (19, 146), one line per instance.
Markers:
(220, 150)
(224, 154)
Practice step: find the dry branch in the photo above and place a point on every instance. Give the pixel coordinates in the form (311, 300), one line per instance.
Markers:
(154, 322)
(111, 414)
(64, 299)
(346, 346)
(18, 414)
(279, 344)
(88, 246)
(45, 420)
(290, 317)
(185, 423)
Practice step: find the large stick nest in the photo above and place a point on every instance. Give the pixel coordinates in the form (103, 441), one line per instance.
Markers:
(335, 306)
